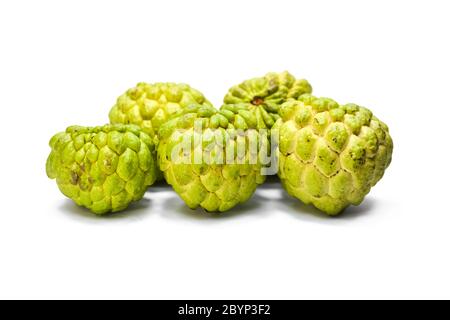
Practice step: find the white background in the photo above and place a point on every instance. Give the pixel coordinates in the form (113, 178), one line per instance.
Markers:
(65, 62)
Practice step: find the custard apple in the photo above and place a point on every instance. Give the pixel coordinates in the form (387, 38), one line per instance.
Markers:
(264, 95)
(150, 105)
(216, 168)
(330, 155)
(104, 168)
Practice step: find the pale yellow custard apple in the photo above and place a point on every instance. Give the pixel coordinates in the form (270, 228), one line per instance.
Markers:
(264, 95)
(330, 155)
(150, 105)
(211, 171)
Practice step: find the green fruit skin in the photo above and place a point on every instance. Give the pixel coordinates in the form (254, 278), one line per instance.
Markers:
(264, 95)
(151, 105)
(330, 155)
(103, 168)
(215, 187)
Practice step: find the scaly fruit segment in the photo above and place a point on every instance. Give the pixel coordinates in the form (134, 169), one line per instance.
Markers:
(104, 168)
(264, 96)
(150, 105)
(330, 155)
(205, 177)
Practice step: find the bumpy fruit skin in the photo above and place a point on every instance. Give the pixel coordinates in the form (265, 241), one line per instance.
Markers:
(104, 168)
(150, 105)
(212, 185)
(330, 155)
(264, 95)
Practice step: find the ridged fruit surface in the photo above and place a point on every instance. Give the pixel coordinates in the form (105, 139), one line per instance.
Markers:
(208, 183)
(264, 95)
(150, 105)
(104, 168)
(330, 155)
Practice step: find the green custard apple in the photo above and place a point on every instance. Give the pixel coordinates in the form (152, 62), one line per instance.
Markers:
(150, 105)
(330, 155)
(264, 95)
(205, 155)
(104, 168)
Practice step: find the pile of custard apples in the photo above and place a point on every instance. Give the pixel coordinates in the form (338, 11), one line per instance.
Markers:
(326, 154)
